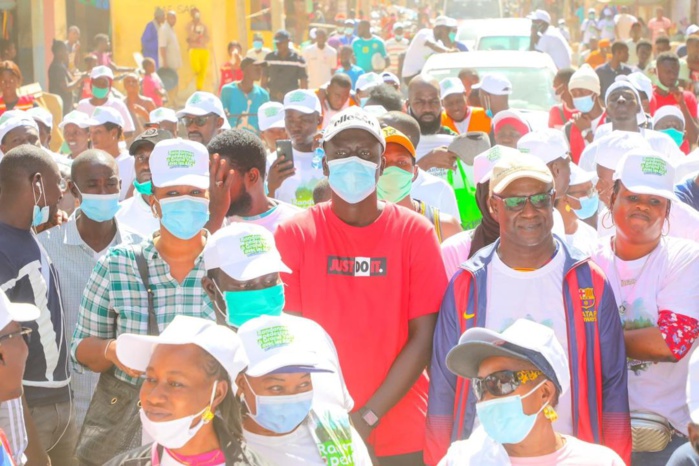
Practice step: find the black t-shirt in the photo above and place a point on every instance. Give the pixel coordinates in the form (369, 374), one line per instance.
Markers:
(24, 271)
(284, 74)
(58, 84)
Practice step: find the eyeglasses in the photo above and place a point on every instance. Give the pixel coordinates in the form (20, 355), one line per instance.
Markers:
(517, 203)
(502, 383)
(25, 333)
(197, 121)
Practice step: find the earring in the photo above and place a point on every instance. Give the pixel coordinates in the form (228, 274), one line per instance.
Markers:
(207, 416)
(550, 413)
(666, 222)
(607, 214)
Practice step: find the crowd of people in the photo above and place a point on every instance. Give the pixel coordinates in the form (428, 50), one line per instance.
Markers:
(310, 268)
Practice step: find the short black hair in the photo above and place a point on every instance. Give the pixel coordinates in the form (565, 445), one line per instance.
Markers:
(643, 43)
(101, 37)
(243, 150)
(564, 74)
(58, 45)
(618, 45)
(110, 126)
(667, 57)
(342, 80)
(404, 123)
(662, 40)
(387, 96)
(467, 72)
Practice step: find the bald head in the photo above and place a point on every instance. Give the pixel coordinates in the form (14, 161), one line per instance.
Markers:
(403, 123)
(425, 103)
(94, 172)
(90, 159)
(420, 82)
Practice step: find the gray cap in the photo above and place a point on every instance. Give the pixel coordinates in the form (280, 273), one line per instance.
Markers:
(468, 145)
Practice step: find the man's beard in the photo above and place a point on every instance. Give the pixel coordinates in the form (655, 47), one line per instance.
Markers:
(428, 127)
(241, 206)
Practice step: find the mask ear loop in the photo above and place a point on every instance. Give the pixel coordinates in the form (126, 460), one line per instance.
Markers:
(218, 309)
(208, 414)
(548, 410)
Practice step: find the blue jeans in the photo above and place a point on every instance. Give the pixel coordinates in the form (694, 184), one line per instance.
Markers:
(659, 458)
(684, 456)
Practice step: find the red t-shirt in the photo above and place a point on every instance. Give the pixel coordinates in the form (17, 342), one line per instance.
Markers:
(559, 115)
(658, 100)
(363, 285)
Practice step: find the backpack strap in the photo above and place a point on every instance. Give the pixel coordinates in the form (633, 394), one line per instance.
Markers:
(142, 265)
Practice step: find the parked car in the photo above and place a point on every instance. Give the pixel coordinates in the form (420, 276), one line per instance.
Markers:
(471, 29)
(498, 41)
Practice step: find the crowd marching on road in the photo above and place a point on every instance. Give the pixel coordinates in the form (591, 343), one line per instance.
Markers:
(381, 241)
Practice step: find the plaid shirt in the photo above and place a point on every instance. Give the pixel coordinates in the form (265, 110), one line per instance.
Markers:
(115, 300)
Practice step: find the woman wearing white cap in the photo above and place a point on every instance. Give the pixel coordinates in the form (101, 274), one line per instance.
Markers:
(140, 289)
(283, 420)
(578, 207)
(188, 402)
(518, 376)
(13, 355)
(76, 133)
(653, 277)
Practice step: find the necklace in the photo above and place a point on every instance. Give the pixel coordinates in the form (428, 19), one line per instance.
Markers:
(632, 281)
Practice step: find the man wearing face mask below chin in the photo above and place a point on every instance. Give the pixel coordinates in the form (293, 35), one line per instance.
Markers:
(189, 395)
(361, 277)
(244, 283)
(666, 92)
(584, 86)
(102, 78)
(518, 377)
(284, 419)
(172, 263)
(76, 246)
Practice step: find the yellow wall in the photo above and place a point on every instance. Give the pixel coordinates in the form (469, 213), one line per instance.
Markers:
(129, 19)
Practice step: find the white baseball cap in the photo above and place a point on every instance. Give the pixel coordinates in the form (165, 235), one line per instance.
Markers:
(611, 148)
(668, 110)
(540, 15)
(75, 117)
(41, 115)
(524, 339)
(101, 72)
(104, 114)
(547, 144)
(175, 162)
(354, 118)
(277, 344)
(390, 78)
(368, 81)
(244, 251)
(270, 115)
(449, 86)
(444, 21)
(302, 100)
(693, 387)
(495, 84)
(202, 103)
(484, 162)
(376, 110)
(579, 176)
(692, 29)
(16, 312)
(647, 172)
(15, 119)
(162, 114)
(135, 351)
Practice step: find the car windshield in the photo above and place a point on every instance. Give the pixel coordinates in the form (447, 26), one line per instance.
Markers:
(472, 9)
(532, 88)
(503, 43)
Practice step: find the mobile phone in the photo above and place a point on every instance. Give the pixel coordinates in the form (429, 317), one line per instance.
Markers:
(284, 148)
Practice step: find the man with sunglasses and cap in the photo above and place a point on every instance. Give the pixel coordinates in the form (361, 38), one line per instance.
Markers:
(547, 282)
(518, 377)
(202, 116)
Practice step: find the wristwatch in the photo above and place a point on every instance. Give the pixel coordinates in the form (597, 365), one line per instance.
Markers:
(369, 417)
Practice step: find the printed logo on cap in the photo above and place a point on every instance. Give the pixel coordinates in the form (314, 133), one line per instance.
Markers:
(272, 111)
(159, 112)
(389, 131)
(297, 96)
(653, 166)
(274, 337)
(448, 84)
(195, 99)
(495, 155)
(355, 115)
(98, 111)
(150, 133)
(253, 245)
(180, 158)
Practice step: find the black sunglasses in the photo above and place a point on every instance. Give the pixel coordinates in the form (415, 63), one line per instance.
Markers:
(517, 203)
(502, 383)
(197, 121)
(25, 333)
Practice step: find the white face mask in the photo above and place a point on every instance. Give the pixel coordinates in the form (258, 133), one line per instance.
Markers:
(176, 433)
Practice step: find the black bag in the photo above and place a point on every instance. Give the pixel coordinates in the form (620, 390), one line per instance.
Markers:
(112, 424)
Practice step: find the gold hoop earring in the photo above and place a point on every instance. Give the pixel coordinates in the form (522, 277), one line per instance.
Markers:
(550, 413)
(607, 214)
(666, 222)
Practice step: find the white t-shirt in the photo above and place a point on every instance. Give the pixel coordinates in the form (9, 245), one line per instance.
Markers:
(537, 296)
(606, 28)
(435, 192)
(127, 173)
(623, 22)
(86, 107)
(584, 239)
(666, 280)
(319, 64)
(417, 53)
(137, 216)
(553, 43)
(298, 189)
(270, 219)
(299, 447)
(167, 39)
(329, 113)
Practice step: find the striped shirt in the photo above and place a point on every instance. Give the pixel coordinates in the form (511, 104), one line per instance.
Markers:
(395, 49)
(284, 74)
(115, 300)
(74, 260)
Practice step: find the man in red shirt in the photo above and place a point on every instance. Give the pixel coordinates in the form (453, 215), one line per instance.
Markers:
(668, 92)
(370, 273)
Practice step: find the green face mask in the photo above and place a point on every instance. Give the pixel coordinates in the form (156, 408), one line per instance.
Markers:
(394, 184)
(452, 36)
(100, 92)
(242, 306)
(143, 188)
(676, 135)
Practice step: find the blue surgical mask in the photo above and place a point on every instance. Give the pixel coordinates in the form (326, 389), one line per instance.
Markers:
(589, 206)
(99, 207)
(675, 134)
(352, 178)
(242, 306)
(504, 420)
(40, 215)
(489, 113)
(363, 101)
(257, 44)
(184, 216)
(145, 188)
(281, 414)
(584, 104)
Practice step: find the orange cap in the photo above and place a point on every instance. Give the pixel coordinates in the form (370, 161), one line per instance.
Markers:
(391, 134)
